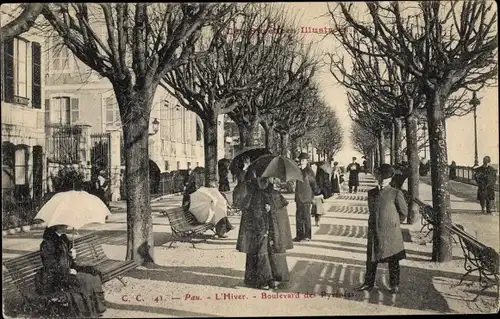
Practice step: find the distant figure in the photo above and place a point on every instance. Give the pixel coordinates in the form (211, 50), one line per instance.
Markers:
(336, 178)
(243, 169)
(102, 186)
(354, 168)
(453, 170)
(223, 177)
(486, 177)
(365, 165)
(323, 181)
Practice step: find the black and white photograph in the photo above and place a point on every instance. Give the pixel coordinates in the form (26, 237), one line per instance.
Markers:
(247, 159)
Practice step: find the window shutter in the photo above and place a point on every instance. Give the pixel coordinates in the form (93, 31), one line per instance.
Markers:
(8, 80)
(47, 111)
(36, 93)
(75, 110)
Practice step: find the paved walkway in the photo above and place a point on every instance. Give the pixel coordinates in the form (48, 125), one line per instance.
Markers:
(208, 280)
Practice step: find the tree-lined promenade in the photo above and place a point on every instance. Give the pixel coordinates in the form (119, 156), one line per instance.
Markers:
(201, 54)
(401, 66)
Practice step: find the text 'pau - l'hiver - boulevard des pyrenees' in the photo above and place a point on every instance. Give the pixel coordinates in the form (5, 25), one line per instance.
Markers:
(232, 296)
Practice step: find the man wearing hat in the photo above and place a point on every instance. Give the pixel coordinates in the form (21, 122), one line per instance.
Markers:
(354, 168)
(388, 208)
(304, 194)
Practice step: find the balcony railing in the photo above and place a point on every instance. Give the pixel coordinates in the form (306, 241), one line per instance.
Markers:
(64, 143)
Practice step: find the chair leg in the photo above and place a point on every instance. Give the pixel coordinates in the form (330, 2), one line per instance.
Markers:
(120, 278)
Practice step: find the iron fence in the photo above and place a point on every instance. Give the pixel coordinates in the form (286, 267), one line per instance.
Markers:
(465, 174)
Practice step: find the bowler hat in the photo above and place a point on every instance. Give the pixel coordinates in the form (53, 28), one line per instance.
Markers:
(386, 171)
(303, 156)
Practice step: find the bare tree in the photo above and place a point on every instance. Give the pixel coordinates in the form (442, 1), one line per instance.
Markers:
(143, 42)
(446, 47)
(22, 22)
(231, 63)
(328, 138)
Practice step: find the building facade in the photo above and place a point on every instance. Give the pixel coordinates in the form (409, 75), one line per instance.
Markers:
(78, 97)
(23, 143)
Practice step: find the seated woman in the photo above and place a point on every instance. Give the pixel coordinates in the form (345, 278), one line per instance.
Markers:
(192, 185)
(81, 285)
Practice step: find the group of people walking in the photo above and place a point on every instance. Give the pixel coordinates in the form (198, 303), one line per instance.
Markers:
(265, 233)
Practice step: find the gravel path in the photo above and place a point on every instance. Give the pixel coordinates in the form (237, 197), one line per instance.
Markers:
(208, 280)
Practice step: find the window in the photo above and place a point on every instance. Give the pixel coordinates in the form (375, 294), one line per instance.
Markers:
(62, 110)
(59, 56)
(21, 169)
(21, 67)
(199, 129)
(166, 166)
(188, 165)
(16, 68)
(164, 121)
(178, 165)
(197, 164)
(112, 113)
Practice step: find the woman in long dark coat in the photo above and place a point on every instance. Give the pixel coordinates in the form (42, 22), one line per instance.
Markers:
(264, 236)
(336, 175)
(81, 285)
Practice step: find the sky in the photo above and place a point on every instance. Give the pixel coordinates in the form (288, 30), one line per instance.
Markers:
(460, 130)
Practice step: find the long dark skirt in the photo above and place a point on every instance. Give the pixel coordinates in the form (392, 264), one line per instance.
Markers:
(336, 186)
(261, 269)
(84, 299)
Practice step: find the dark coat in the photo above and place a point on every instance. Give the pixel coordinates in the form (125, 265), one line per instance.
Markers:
(57, 262)
(354, 169)
(256, 222)
(305, 191)
(323, 181)
(387, 209)
(485, 177)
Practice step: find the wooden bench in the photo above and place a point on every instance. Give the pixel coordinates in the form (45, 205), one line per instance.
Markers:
(185, 226)
(427, 216)
(477, 258)
(89, 253)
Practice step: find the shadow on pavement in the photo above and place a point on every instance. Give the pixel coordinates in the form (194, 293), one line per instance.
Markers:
(353, 231)
(159, 310)
(199, 275)
(333, 274)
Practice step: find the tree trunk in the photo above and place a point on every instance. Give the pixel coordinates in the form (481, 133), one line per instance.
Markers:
(210, 148)
(284, 144)
(441, 248)
(397, 140)
(293, 148)
(269, 137)
(247, 134)
(391, 147)
(140, 242)
(381, 147)
(413, 162)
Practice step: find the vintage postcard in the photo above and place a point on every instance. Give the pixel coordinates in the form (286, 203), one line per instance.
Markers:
(249, 159)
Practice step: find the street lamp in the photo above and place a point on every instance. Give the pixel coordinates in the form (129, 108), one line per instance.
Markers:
(475, 102)
(156, 127)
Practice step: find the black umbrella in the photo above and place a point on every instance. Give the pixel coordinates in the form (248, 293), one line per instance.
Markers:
(251, 152)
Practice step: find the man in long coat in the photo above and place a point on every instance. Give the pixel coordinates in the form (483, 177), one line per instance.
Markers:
(388, 209)
(354, 169)
(304, 194)
(323, 177)
(486, 177)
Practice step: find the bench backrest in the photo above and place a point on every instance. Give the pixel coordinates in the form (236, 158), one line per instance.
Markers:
(24, 268)
(487, 255)
(426, 210)
(179, 218)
